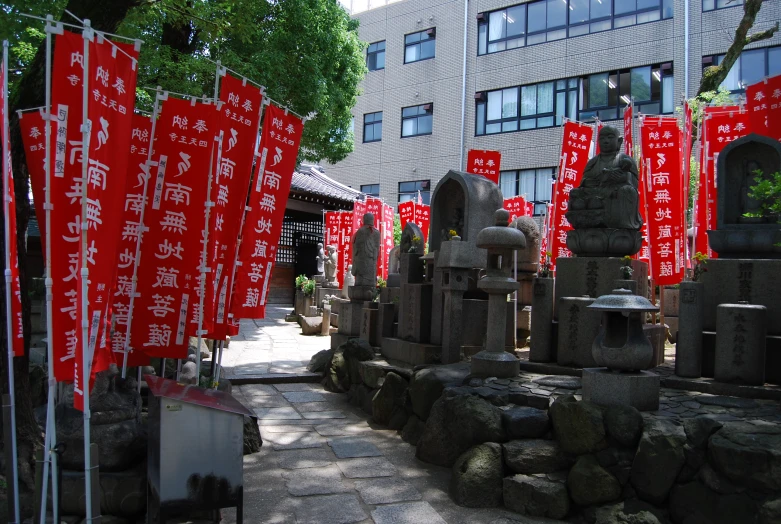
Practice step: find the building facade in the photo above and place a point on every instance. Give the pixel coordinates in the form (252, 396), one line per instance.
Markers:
(446, 76)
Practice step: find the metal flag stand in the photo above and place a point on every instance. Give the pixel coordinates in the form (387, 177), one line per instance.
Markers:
(10, 236)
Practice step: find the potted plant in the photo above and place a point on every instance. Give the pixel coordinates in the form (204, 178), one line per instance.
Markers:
(626, 271)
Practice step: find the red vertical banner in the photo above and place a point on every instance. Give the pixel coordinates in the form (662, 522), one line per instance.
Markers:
(423, 219)
(406, 213)
(238, 121)
(279, 143)
(644, 254)
(135, 200)
(575, 145)
(516, 206)
(9, 210)
(33, 128)
(66, 194)
(774, 112)
(628, 143)
(171, 258)
(660, 142)
(484, 163)
(387, 237)
(374, 206)
(359, 209)
(763, 101)
(333, 223)
(345, 241)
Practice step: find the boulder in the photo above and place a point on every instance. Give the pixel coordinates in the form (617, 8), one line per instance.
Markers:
(748, 454)
(413, 430)
(695, 503)
(427, 385)
(372, 374)
(398, 418)
(193, 343)
(578, 426)
(476, 481)
(716, 481)
(536, 497)
(498, 397)
(699, 429)
(252, 438)
(319, 361)
(770, 511)
(388, 398)
(532, 456)
(39, 385)
(361, 396)
(455, 424)
(311, 325)
(629, 512)
(337, 376)
(525, 422)
(355, 351)
(624, 424)
(658, 460)
(589, 483)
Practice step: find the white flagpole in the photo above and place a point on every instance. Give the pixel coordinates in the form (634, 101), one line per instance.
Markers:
(10, 236)
(51, 427)
(159, 96)
(85, 323)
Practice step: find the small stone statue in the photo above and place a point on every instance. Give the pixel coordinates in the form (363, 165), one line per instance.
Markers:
(349, 281)
(366, 249)
(607, 196)
(320, 259)
(331, 263)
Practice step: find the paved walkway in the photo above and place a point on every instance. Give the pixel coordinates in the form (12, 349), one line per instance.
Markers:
(322, 460)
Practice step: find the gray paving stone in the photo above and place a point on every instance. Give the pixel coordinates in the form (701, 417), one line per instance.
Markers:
(286, 422)
(564, 382)
(353, 447)
(386, 491)
(300, 440)
(286, 428)
(303, 396)
(334, 430)
(309, 407)
(251, 390)
(410, 513)
(330, 509)
(727, 402)
(286, 413)
(304, 458)
(366, 467)
(268, 401)
(320, 415)
(315, 481)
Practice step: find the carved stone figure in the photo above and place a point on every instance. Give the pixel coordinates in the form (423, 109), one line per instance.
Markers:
(331, 263)
(320, 259)
(366, 249)
(409, 244)
(607, 195)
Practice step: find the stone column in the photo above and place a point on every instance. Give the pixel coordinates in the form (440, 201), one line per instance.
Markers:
(691, 314)
(578, 327)
(621, 283)
(541, 346)
(741, 332)
(454, 284)
(325, 328)
(437, 307)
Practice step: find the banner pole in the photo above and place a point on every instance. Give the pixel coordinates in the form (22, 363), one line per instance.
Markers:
(159, 96)
(10, 236)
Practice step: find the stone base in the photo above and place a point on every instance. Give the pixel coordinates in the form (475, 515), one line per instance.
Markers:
(350, 318)
(361, 293)
(607, 388)
(410, 352)
(772, 357)
(604, 242)
(762, 242)
(498, 364)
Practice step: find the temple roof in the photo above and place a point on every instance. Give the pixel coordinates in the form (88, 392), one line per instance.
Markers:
(311, 179)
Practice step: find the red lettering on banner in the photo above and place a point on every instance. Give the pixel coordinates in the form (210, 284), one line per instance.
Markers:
(628, 143)
(345, 241)
(387, 237)
(574, 157)
(423, 219)
(33, 128)
(484, 163)
(406, 213)
(279, 145)
(763, 101)
(171, 258)
(518, 207)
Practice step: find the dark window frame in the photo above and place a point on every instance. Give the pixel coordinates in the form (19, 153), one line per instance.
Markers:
(371, 191)
(429, 112)
(431, 34)
(584, 112)
(734, 3)
(373, 125)
(374, 54)
(424, 186)
(713, 60)
(534, 200)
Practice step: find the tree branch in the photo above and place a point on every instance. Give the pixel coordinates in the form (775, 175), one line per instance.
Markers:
(762, 35)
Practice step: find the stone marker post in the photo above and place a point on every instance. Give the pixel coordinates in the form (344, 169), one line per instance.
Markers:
(541, 345)
(740, 344)
(691, 315)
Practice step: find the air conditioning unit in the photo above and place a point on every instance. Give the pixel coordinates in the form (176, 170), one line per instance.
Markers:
(428, 107)
(432, 32)
(480, 96)
(481, 17)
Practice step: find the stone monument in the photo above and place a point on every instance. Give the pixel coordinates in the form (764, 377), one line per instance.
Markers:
(348, 282)
(366, 249)
(500, 241)
(331, 265)
(320, 258)
(603, 210)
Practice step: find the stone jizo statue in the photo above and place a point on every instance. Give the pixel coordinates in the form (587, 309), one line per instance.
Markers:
(607, 196)
(320, 259)
(331, 263)
(366, 249)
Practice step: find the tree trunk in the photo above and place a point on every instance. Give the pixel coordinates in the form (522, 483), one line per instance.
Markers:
(29, 92)
(713, 76)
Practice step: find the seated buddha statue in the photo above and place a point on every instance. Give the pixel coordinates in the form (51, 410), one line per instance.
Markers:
(607, 196)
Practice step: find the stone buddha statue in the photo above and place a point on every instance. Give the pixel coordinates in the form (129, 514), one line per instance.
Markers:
(366, 249)
(607, 196)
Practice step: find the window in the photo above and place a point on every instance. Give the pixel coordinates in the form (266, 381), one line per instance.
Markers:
(419, 46)
(526, 107)
(549, 20)
(606, 95)
(710, 5)
(533, 184)
(409, 191)
(417, 120)
(371, 190)
(750, 67)
(372, 127)
(375, 56)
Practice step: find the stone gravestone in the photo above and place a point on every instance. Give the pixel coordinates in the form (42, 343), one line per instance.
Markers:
(740, 344)
(578, 327)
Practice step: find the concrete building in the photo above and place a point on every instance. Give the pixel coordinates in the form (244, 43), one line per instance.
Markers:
(447, 76)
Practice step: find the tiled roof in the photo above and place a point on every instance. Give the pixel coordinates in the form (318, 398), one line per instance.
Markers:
(311, 179)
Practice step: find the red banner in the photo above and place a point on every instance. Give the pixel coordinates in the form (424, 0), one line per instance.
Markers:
(9, 210)
(387, 237)
(485, 163)
(644, 254)
(575, 145)
(359, 209)
(423, 219)
(764, 107)
(33, 128)
(406, 212)
(345, 242)
(279, 144)
(239, 121)
(629, 145)
(660, 141)
(170, 263)
(374, 206)
(517, 206)
(135, 201)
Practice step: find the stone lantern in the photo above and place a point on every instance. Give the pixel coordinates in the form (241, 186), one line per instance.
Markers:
(625, 352)
(500, 242)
